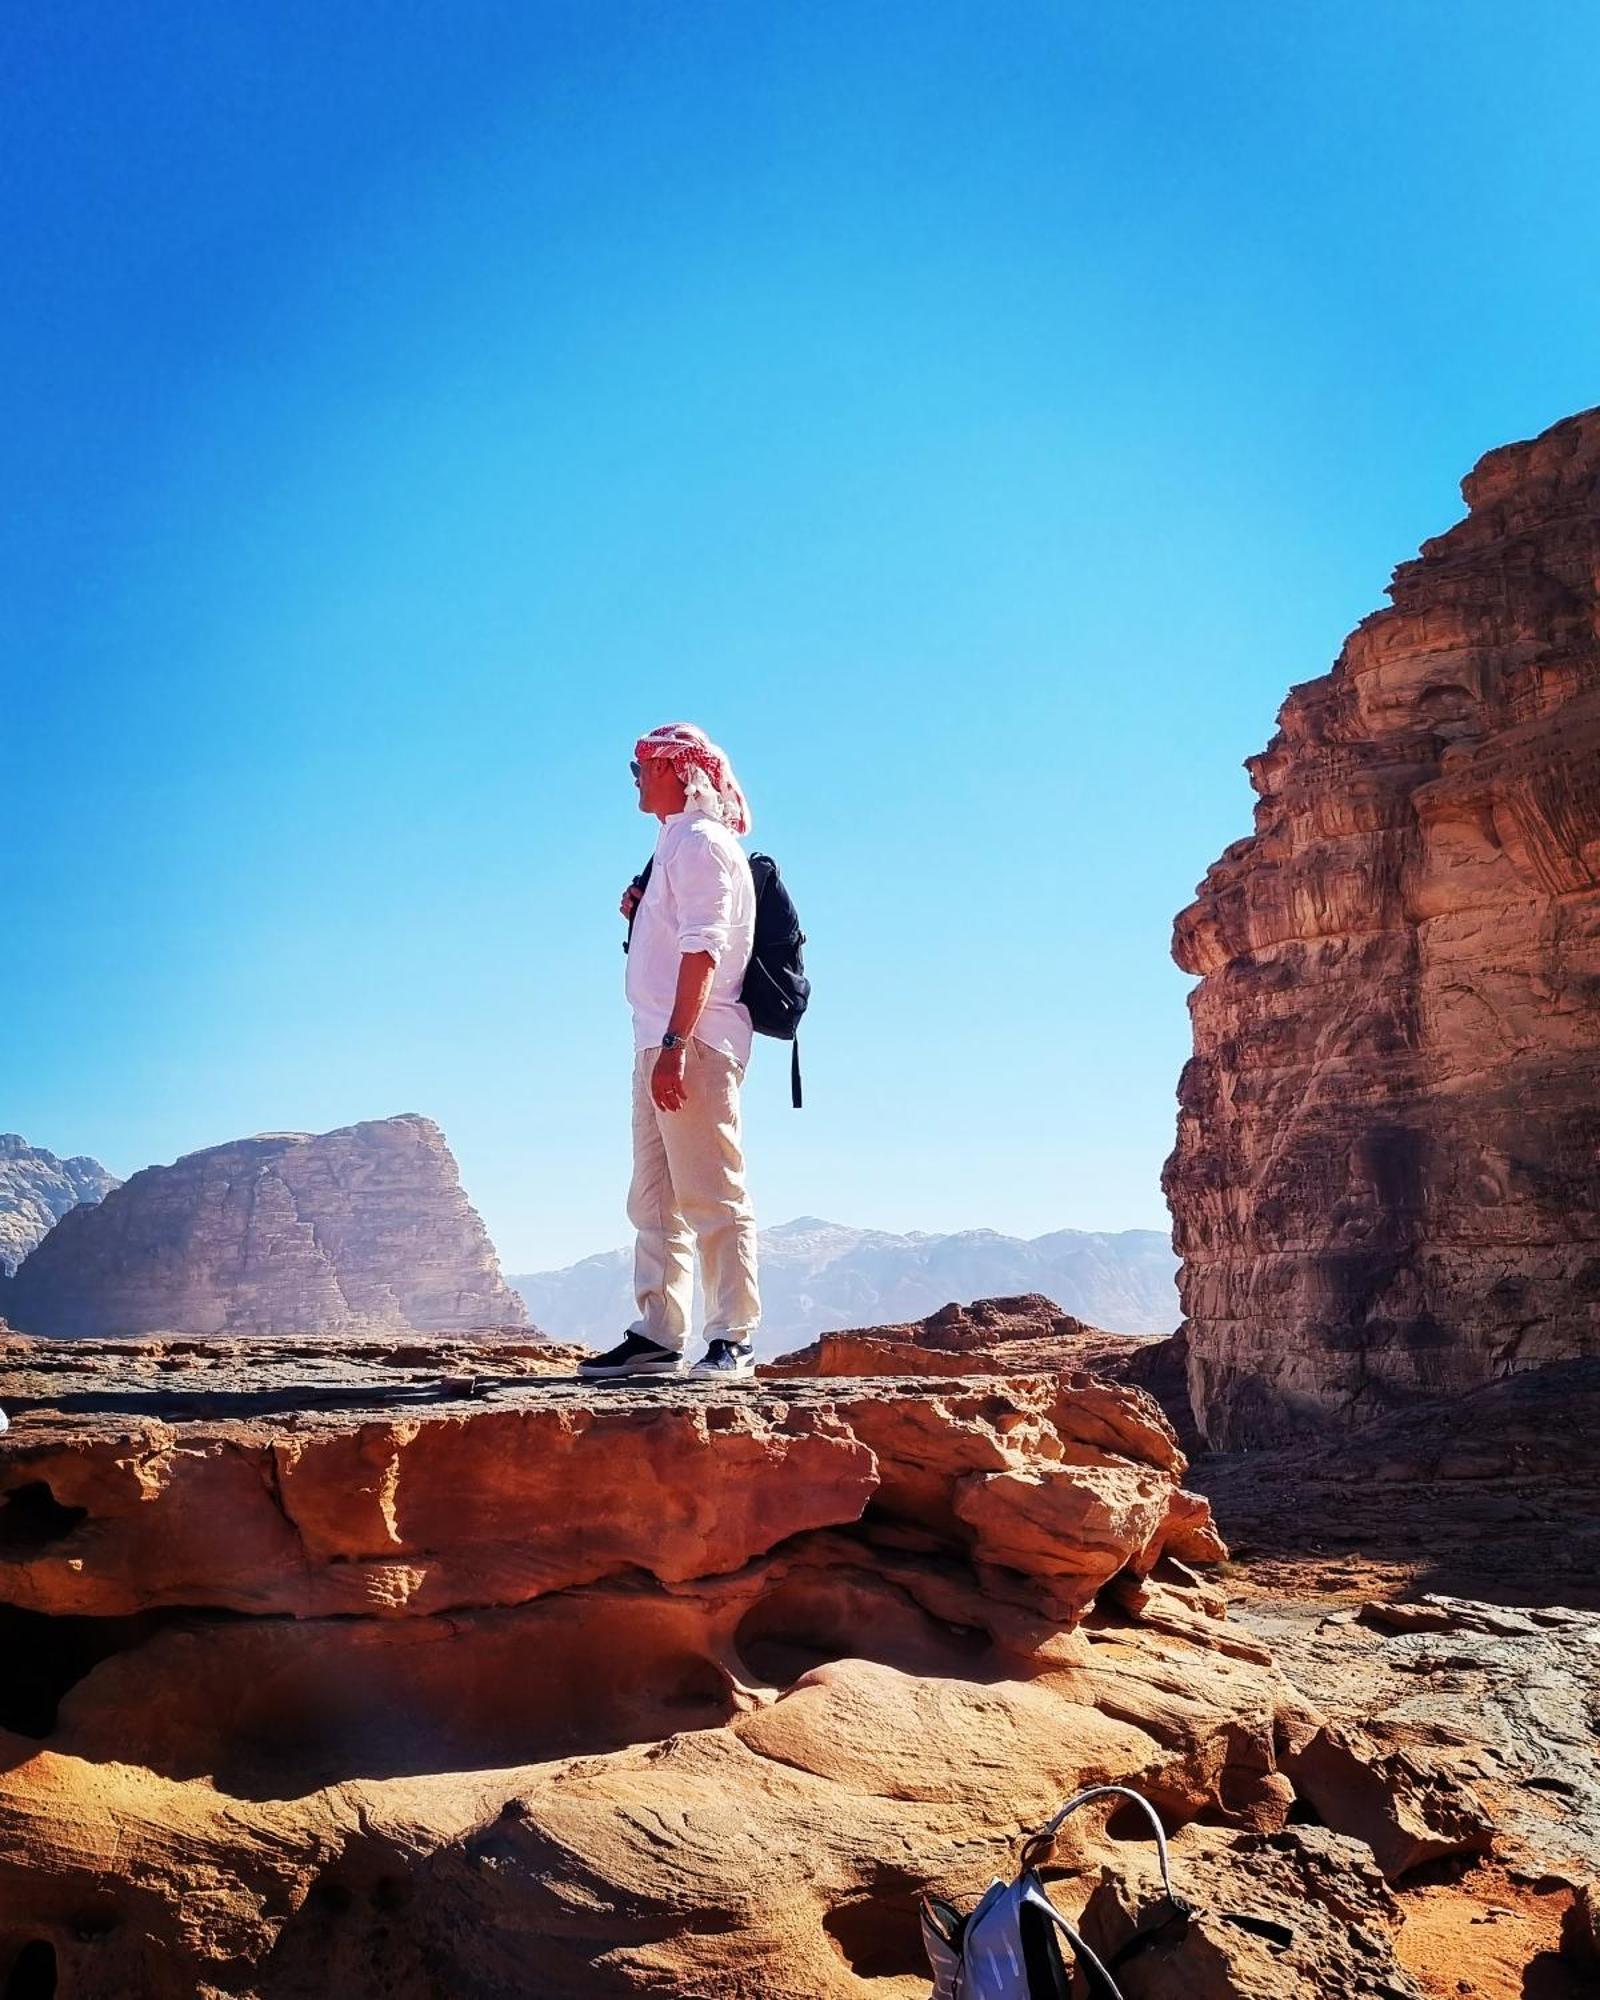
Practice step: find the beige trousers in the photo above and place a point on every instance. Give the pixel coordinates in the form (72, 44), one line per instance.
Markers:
(688, 1191)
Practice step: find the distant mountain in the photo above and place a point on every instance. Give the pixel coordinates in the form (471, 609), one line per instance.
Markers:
(365, 1229)
(37, 1189)
(818, 1276)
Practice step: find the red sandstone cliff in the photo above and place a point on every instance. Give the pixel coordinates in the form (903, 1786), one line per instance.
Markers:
(1387, 1175)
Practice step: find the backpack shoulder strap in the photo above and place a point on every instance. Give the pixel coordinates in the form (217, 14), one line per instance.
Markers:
(641, 882)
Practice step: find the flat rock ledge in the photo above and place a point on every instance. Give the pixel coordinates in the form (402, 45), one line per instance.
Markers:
(418, 1668)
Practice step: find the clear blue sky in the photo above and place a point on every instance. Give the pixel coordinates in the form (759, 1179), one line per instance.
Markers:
(976, 416)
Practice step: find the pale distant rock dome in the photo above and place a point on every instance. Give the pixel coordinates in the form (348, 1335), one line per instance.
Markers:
(366, 1227)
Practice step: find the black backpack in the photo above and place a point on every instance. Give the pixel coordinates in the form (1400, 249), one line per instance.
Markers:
(775, 989)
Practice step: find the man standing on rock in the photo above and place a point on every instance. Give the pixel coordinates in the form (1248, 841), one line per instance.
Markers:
(693, 926)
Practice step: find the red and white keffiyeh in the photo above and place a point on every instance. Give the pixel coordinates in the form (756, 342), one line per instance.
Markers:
(705, 770)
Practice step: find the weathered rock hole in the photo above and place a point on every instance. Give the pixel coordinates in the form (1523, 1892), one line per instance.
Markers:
(31, 1518)
(808, 1623)
(326, 1720)
(333, 1897)
(879, 1934)
(700, 1689)
(47, 1656)
(33, 1972)
(338, 1894)
(277, 1708)
(392, 1893)
(1126, 1824)
(880, 1528)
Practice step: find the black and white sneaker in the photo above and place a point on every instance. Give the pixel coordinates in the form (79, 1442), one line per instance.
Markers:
(633, 1356)
(726, 1361)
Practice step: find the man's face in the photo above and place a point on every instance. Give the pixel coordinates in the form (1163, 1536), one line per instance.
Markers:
(660, 788)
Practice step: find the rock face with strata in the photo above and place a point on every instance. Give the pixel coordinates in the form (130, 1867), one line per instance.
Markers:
(415, 1678)
(363, 1228)
(36, 1190)
(1386, 1183)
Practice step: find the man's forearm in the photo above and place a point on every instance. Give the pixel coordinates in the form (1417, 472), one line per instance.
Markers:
(696, 970)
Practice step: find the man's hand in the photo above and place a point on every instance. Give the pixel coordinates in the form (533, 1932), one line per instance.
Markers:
(669, 1087)
(630, 900)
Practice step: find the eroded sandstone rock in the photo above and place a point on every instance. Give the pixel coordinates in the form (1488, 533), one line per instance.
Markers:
(1387, 1175)
(1281, 1916)
(1053, 1484)
(1024, 1335)
(288, 1232)
(460, 1680)
(1448, 1722)
(961, 1339)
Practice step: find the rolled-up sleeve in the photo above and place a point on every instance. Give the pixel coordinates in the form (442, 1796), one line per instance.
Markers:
(702, 877)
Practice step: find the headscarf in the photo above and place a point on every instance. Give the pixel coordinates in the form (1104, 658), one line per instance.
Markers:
(705, 770)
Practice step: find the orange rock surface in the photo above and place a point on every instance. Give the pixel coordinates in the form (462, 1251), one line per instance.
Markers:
(362, 1670)
(1026, 1335)
(421, 1669)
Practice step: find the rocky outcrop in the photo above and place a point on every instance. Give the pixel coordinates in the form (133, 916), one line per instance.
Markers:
(1386, 1183)
(366, 1227)
(1027, 1335)
(1030, 1331)
(1451, 1727)
(1050, 1486)
(446, 1678)
(415, 1666)
(1292, 1914)
(36, 1190)
(1431, 1585)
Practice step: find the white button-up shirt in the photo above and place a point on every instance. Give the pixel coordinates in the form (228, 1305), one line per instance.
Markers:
(700, 897)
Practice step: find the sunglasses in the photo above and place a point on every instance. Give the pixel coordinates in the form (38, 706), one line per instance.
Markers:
(633, 766)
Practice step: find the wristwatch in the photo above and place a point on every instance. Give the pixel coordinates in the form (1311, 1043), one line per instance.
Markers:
(671, 1041)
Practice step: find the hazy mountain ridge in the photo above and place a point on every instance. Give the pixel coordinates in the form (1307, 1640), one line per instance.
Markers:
(37, 1189)
(818, 1276)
